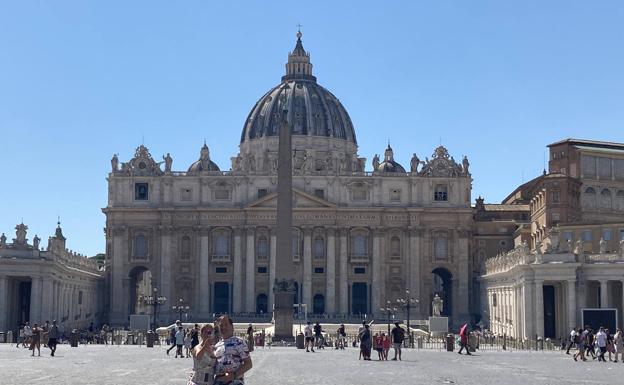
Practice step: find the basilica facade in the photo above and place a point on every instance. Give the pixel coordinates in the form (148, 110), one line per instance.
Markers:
(364, 234)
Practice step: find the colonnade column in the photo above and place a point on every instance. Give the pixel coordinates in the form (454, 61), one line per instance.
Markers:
(116, 290)
(344, 274)
(250, 273)
(376, 262)
(47, 299)
(237, 285)
(529, 323)
(539, 307)
(4, 311)
(571, 303)
(272, 259)
(204, 267)
(307, 267)
(413, 273)
(164, 284)
(331, 272)
(35, 300)
(604, 293)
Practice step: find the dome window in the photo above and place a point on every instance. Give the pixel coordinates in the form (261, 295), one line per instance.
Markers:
(440, 193)
(141, 191)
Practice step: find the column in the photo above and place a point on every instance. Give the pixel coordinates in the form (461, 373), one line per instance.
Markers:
(413, 278)
(571, 304)
(250, 273)
(237, 285)
(35, 300)
(604, 293)
(539, 308)
(204, 269)
(461, 257)
(47, 300)
(4, 311)
(344, 273)
(529, 323)
(117, 294)
(307, 267)
(272, 259)
(164, 284)
(376, 261)
(330, 273)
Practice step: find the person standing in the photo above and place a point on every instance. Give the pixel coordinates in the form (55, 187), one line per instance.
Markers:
(187, 344)
(572, 338)
(21, 339)
(318, 336)
(365, 342)
(601, 341)
(378, 346)
(44, 333)
(204, 358)
(104, 333)
(179, 341)
(250, 337)
(386, 345)
(35, 341)
(309, 337)
(53, 335)
(195, 336)
(398, 335)
(28, 334)
(231, 354)
(618, 344)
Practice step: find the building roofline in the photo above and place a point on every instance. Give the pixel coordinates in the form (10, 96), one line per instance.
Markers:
(591, 143)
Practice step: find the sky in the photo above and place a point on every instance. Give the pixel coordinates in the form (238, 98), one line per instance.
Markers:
(494, 80)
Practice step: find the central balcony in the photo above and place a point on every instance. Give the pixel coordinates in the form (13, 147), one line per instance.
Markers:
(359, 258)
(220, 258)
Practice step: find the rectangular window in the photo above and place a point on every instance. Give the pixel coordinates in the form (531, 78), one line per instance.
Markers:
(186, 194)
(359, 270)
(587, 235)
(222, 195)
(555, 196)
(606, 234)
(319, 193)
(395, 195)
(318, 270)
(568, 235)
(221, 270)
(262, 192)
(588, 166)
(441, 193)
(604, 168)
(80, 297)
(141, 191)
(359, 194)
(262, 270)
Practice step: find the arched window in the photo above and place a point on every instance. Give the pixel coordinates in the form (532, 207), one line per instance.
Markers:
(221, 244)
(605, 198)
(359, 245)
(140, 246)
(590, 198)
(395, 246)
(263, 247)
(318, 304)
(440, 245)
(261, 304)
(185, 247)
(319, 247)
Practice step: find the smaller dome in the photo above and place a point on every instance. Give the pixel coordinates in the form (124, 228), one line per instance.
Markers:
(389, 165)
(204, 163)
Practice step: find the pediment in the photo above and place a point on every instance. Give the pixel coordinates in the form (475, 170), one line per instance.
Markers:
(300, 200)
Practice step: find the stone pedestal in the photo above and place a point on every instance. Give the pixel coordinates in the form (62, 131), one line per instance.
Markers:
(283, 316)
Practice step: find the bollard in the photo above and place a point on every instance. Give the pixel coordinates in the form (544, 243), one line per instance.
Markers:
(151, 336)
(504, 341)
(300, 341)
(420, 343)
(73, 338)
(10, 336)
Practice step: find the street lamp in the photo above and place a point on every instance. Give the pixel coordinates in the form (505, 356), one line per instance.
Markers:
(388, 309)
(153, 300)
(180, 308)
(408, 303)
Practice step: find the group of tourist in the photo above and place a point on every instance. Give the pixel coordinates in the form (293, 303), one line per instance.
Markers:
(381, 342)
(183, 339)
(32, 337)
(596, 344)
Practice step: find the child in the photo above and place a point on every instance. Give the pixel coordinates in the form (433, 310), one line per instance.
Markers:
(378, 346)
(386, 345)
(187, 344)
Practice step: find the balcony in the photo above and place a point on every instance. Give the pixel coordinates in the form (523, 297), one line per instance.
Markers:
(359, 258)
(221, 258)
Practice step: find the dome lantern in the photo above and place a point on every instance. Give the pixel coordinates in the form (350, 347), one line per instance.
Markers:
(298, 66)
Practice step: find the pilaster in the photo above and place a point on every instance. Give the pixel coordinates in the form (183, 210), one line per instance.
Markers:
(344, 274)
(307, 267)
(250, 274)
(237, 284)
(330, 272)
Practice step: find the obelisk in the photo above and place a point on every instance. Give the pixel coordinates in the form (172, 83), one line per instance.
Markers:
(284, 285)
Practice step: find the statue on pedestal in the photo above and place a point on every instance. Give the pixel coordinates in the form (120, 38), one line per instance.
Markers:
(465, 165)
(3, 240)
(603, 245)
(414, 163)
(578, 248)
(621, 247)
(20, 233)
(436, 306)
(36, 241)
(114, 162)
(168, 161)
(375, 162)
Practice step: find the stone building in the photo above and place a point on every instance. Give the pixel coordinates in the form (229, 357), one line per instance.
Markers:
(569, 255)
(361, 236)
(39, 284)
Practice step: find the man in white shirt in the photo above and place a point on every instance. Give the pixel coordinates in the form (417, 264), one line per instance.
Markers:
(601, 341)
(571, 342)
(308, 332)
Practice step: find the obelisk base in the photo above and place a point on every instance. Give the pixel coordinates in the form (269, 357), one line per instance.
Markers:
(283, 317)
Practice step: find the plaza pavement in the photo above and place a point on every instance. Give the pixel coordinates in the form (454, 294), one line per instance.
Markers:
(99, 365)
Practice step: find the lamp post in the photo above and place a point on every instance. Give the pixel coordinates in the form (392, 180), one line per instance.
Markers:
(180, 308)
(388, 310)
(153, 300)
(408, 303)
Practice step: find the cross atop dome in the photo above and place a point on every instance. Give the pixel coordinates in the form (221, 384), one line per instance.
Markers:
(298, 66)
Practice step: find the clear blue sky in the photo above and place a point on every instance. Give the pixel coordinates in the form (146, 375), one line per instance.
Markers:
(496, 80)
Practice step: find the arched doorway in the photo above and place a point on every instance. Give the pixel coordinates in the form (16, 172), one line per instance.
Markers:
(442, 285)
(140, 285)
(318, 304)
(359, 298)
(261, 304)
(221, 297)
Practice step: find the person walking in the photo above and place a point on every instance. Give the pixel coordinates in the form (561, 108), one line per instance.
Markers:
(21, 339)
(204, 358)
(318, 336)
(601, 341)
(342, 337)
(179, 341)
(618, 344)
(580, 345)
(28, 334)
(172, 334)
(187, 344)
(308, 333)
(365, 342)
(572, 339)
(250, 337)
(386, 345)
(195, 336)
(378, 346)
(398, 335)
(463, 339)
(53, 335)
(35, 341)
(231, 354)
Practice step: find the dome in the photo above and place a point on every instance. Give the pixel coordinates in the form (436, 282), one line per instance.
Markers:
(204, 163)
(312, 109)
(389, 165)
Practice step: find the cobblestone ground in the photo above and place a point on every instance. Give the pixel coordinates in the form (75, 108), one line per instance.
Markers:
(139, 365)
